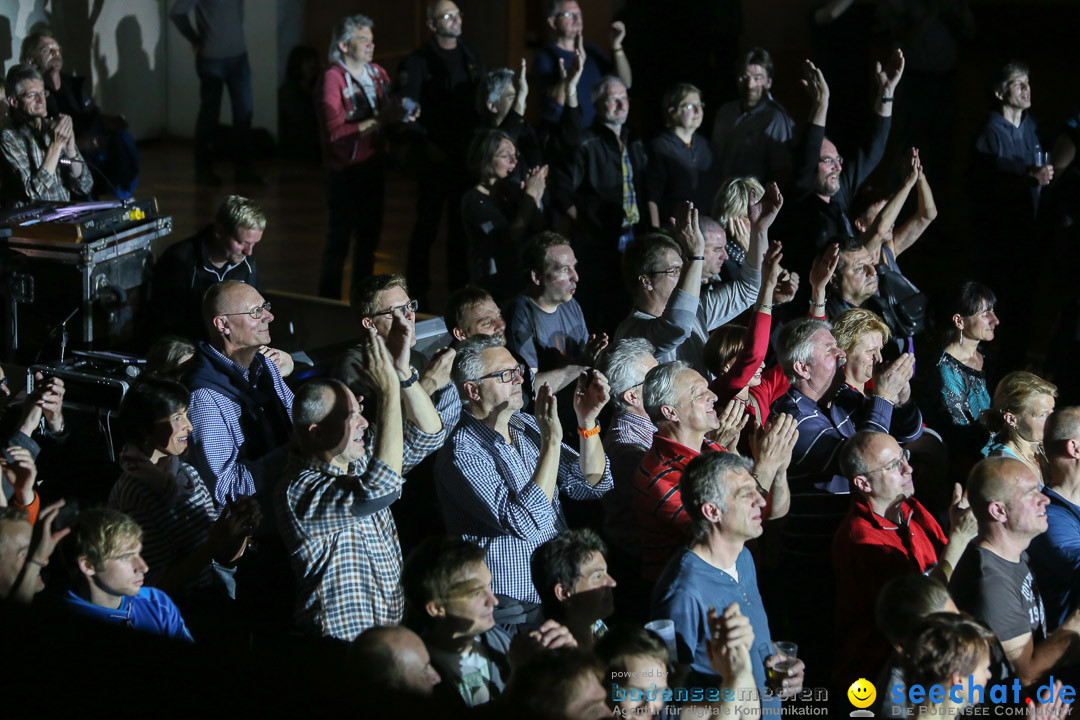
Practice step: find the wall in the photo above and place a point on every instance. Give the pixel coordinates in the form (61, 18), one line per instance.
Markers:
(119, 44)
(261, 34)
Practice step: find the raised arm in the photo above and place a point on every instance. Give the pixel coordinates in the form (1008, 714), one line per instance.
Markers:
(622, 63)
(925, 213)
(886, 219)
(590, 397)
(887, 77)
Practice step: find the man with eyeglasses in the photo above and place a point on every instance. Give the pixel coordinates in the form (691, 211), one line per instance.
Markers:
(752, 136)
(565, 19)
(44, 164)
(442, 75)
(825, 183)
(241, 408)
(886, 533)
(103, 138)
(672, 308)
(382, 303)
(502, 472)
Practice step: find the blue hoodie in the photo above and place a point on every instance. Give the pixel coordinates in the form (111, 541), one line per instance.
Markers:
(150, 611)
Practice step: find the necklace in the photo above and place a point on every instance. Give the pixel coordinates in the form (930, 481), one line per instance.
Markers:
(1033, 461)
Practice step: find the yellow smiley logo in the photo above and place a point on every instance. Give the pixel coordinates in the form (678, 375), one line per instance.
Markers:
(862, 693)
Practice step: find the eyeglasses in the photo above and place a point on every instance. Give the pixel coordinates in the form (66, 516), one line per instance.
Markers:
(905, 455)
(828, 160)
(35, 95)
(451, 15)
(407, 307)
(505, 376)
(670, 272)
(255, 312)
(692, 107)
(569, 15)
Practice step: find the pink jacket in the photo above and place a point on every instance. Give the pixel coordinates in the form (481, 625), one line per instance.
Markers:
(342, 143)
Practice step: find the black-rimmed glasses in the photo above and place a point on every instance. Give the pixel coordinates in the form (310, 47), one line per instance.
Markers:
(411, 305)
(670, 272)
(255, 312)
(505, 376)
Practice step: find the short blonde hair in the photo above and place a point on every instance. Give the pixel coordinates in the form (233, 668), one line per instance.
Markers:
(851, 325)
(1014, 394)
(101, 532)
(735, 198)
(239, 213)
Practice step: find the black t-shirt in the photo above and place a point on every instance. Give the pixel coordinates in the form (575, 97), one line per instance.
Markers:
(998, 593)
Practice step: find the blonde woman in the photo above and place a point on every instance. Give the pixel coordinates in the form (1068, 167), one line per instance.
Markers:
(1016, 417)
(731, 208)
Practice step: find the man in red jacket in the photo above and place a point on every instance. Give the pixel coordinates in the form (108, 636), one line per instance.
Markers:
(886, 533)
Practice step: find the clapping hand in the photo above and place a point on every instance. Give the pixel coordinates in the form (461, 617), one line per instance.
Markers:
(889, 75)
(814, 82)
(688, 231)
(590, 396)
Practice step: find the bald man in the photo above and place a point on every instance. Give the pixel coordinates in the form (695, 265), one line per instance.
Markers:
(394, 657)
(240, 406)
(993, 582)
(1055, 555)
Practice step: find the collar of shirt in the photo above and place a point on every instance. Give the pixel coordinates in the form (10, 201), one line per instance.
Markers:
(670, 450)
(488, 435)
(224, 270)
(634, 428)
(306, 462)
(864, 510)
(246, 372)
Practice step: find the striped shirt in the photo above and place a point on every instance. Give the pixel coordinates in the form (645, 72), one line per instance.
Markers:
(342, 538)
(172, 506)
(663, 521)
(217, 436)
(488, 497)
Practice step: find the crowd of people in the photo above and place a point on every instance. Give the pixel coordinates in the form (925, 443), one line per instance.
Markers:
(695, 443)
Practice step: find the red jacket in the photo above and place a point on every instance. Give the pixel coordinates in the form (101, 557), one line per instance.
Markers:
(340, 116)
(868, 551)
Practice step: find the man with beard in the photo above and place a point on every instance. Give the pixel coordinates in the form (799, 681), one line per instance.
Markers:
(752, 135)
(42, 161)
(103, 139)
(823, 189)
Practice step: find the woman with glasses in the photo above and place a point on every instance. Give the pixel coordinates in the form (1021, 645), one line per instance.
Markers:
(499, 213)
(1016, 418)
(189, 544)
(680, 160)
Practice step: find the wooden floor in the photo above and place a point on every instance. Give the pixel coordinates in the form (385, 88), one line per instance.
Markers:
(295, 205)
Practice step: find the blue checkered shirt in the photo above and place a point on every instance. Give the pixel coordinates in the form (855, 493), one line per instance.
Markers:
(488, 497)
(342, 538)
(217, 438)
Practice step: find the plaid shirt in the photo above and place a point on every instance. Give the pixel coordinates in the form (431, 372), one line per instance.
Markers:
(24, 151)
(342, 538)
(631, 214)
(488, 497)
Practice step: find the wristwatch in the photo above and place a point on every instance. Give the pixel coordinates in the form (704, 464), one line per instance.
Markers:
(412, 379)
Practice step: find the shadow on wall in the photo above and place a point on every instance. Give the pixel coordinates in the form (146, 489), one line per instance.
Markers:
(5, 41)
(133, 69)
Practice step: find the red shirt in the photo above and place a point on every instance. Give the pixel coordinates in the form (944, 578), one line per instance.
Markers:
(662, 519)
(342, 143)
(868, 551)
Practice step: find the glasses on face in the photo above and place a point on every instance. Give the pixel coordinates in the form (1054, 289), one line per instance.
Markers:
(670, 272)
(905, 455)
(407, 307)
(829, 160)
(569, 15)
(692, 107)
(255, 312)
(447, 17)
(34, 95)
(506, 376)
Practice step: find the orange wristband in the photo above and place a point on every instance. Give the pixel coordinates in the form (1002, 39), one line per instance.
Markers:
(589, 433)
